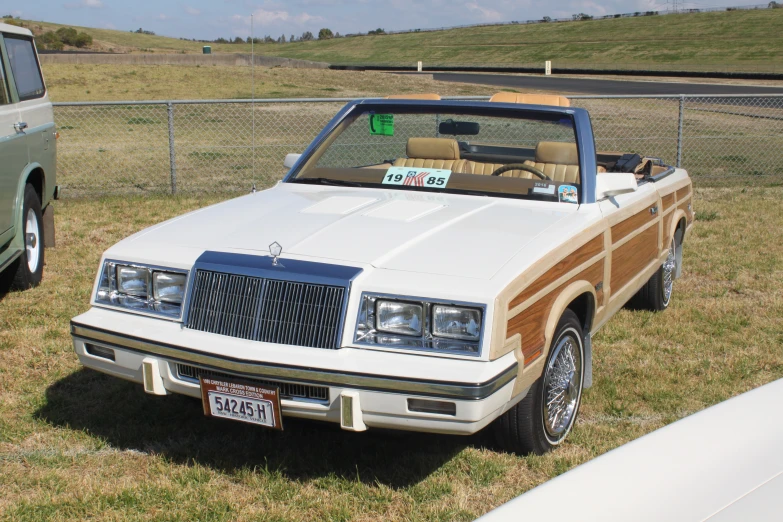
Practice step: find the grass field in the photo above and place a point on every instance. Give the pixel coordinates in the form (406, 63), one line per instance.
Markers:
(67, 82)
(736, 40)
(77, 445)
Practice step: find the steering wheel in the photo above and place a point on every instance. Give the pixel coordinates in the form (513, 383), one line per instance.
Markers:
(521, 166)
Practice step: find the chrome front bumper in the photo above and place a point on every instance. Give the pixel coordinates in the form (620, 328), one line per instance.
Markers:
(376, 400)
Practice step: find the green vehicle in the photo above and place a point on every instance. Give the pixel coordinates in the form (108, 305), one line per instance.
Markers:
(27, 161)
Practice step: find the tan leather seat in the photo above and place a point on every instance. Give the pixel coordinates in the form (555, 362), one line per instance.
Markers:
(486, 169)
(531, 99)
(559, 161)
(415, 96)
(432, 153)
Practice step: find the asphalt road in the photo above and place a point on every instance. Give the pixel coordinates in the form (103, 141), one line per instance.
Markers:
(559, 84)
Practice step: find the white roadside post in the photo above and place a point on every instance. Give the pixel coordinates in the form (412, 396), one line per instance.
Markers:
(419, 65)
(548, 68)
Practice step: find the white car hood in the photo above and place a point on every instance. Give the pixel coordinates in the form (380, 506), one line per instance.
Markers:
(459, 235)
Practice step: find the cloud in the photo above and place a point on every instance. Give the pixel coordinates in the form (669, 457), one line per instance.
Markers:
(266, 18)
(487, 14)
(162, 16)
(192, 11)
(93, 4)
(108, 25)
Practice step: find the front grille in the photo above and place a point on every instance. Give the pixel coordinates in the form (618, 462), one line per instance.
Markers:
(288, 390)
(267, 310)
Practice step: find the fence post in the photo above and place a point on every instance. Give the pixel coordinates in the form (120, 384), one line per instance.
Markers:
(679, 132)
(172, 156)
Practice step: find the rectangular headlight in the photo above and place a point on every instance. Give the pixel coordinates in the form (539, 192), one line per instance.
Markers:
(411, 323)
(168, 287)
(455, 322)
(142, 288)
(399, 317)
(133, 280)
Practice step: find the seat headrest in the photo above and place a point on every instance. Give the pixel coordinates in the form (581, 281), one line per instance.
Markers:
(433, 148)
(531, 99)
(420, 96)
(557, 152)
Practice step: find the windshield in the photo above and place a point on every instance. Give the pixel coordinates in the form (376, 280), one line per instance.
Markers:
(467, 150)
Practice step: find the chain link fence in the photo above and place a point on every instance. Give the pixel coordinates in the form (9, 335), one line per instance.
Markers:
(227, 146)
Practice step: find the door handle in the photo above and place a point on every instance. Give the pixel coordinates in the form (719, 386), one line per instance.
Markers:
(20, 126)
(654, 210)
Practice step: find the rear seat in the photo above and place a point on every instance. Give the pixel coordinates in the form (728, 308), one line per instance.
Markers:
(432, 153)
(531, 99)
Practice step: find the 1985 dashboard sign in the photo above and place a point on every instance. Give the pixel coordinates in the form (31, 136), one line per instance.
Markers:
(417, 177)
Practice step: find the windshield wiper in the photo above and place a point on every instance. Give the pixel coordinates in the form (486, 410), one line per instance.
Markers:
(329, 181)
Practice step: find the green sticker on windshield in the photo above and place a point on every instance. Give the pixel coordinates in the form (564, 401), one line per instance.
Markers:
(382, 124)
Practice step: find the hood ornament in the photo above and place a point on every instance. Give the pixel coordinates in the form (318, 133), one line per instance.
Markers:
(275, 249)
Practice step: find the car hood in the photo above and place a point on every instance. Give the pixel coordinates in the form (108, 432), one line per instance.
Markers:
(459, 235)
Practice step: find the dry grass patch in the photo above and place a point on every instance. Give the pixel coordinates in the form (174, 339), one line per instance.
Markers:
(75, 444)
(68, 82)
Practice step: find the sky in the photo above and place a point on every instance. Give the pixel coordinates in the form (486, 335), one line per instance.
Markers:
(210, 19)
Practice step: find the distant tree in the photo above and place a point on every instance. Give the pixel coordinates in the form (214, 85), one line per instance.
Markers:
(67, 35)
(338, 35)
(325, 34)
(238, 40)
(307, 36)
(774, 5)
(581, 16)
(282, 39)
(546, 19)
(221, 40)
(268, 39)
(83, 40)
(650, 13)
(292, 39)
(377, 31)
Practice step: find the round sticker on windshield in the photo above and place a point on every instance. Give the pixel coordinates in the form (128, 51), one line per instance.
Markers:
(568, 194)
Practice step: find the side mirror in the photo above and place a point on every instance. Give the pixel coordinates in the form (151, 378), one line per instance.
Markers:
(614, 184)
(290, 160)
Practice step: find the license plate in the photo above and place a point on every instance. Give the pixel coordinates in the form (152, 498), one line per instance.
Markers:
(241, 401)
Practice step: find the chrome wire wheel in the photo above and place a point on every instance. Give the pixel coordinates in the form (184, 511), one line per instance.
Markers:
(668, 273)
(562, 386)
(32, 240)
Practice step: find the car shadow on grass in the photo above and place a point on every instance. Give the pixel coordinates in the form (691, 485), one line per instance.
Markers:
(175, 427)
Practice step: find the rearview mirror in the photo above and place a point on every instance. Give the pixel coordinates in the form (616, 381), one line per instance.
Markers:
(458, 128)
(290, 160)
(614, 184)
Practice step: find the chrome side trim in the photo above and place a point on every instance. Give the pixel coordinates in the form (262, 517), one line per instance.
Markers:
(443, 389)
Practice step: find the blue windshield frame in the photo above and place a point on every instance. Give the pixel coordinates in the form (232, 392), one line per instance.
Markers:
(583, 128)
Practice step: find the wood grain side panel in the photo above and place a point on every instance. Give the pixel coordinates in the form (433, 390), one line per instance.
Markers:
(531, 322)
(667, 229)
(688, 213)
(631, 224)
(683, 192)
(667, 202)
(581, 255)
(630, 259)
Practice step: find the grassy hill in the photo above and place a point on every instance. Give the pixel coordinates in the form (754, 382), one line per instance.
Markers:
(735, 40)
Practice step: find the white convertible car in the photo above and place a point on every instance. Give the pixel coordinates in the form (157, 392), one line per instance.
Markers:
(425, 265)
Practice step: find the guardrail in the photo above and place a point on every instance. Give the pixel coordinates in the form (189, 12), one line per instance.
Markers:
(227, 146)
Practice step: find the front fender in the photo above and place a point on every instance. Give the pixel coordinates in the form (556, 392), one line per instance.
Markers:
(528, 374)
